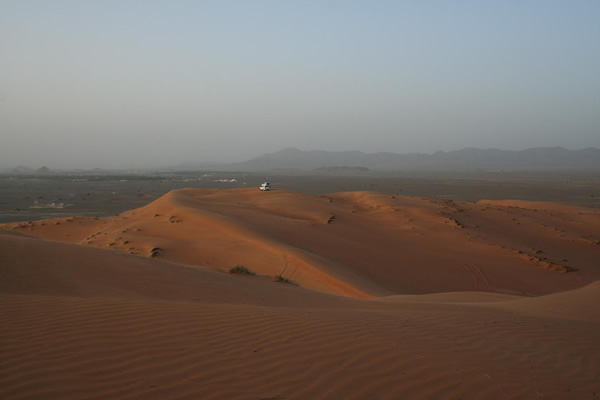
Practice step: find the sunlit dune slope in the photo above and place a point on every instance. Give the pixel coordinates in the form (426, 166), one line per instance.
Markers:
(32, 266)
(358, 244)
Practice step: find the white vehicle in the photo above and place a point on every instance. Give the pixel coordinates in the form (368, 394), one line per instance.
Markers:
(265, 186)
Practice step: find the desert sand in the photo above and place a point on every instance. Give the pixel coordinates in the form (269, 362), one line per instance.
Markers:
(396, 297)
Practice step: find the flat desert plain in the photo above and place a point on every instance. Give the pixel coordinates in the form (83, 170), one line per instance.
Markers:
(356, 295)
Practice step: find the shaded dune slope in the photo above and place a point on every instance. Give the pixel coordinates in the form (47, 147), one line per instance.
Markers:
(356, 244)
(85, 323)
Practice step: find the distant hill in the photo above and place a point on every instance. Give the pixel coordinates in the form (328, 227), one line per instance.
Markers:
(465, 159)
(196, 166)
(43, 171)
(22, 170)
(341, 170)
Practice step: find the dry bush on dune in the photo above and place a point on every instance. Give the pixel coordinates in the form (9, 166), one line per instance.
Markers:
(241, 270)
(279, 278)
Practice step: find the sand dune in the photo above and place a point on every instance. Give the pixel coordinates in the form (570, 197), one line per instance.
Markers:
(399, 297)
(356, 244)
(581, 304)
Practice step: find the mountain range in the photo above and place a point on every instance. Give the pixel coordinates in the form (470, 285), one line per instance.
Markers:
(465, 159)
(357, 162)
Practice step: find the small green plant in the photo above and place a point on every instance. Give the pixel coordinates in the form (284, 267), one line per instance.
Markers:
(240, 269)
(279, 278)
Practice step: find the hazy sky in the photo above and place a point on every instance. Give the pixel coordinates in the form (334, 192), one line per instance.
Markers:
(153, 83)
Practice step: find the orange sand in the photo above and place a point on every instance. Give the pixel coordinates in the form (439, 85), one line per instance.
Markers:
(399, 297)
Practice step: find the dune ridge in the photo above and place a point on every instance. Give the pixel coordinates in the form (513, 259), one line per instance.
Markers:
(359, 244)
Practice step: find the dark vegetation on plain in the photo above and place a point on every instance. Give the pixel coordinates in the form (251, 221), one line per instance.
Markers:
(111, 194)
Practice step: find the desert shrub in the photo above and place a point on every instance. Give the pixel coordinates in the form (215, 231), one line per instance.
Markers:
(240, 269)
(279, 278)
(155, 252)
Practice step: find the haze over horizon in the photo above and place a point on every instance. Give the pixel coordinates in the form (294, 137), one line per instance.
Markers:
(140, 84)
